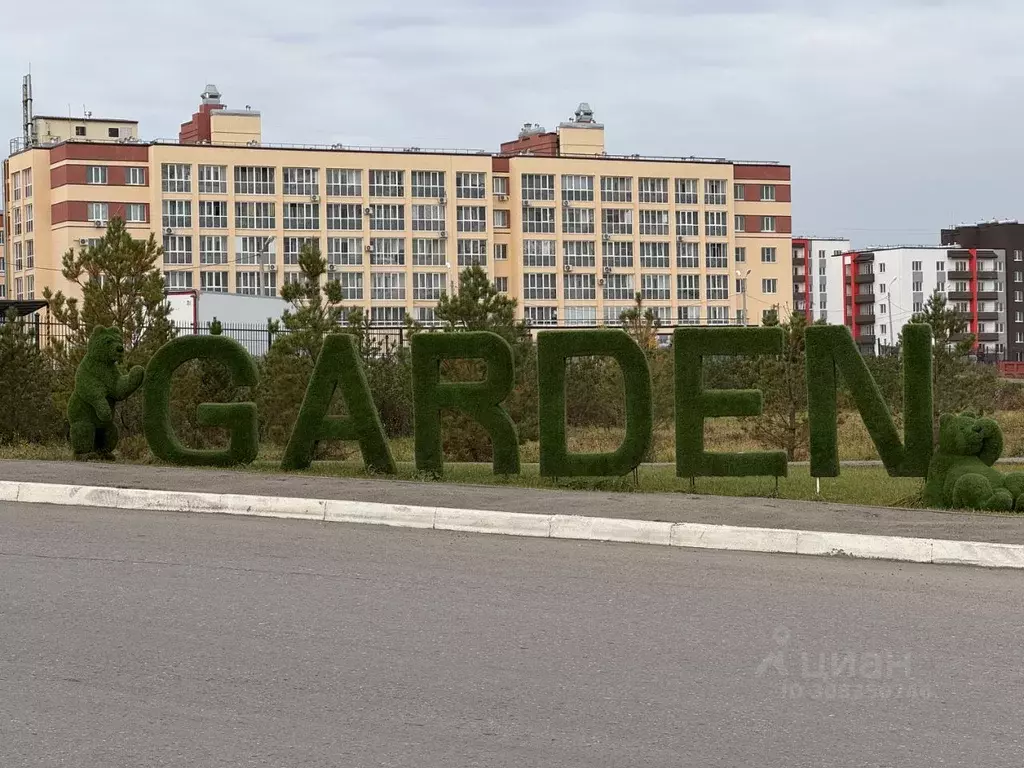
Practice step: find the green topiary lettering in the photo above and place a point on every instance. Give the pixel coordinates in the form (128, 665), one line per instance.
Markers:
(239, 418)
(831, 349)
(339, 364)
(480, 399)
(554, 348)
(694, 404)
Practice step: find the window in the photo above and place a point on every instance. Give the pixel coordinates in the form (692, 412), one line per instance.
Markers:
(473, 218)
(655, 287)
(716, 224)
(718, 315)
(654, 223)
(135, 213)
(300, 181)
(618, 287)
(617, 255)
(29, 221)
(581, 315)
(718, 287)
(578, 221)
(96, 174)
(1018, 277)
(255, 216)
(715, 192)
(428, 253)
(769, 285)
(650, 190)
(501, 219)
(428, 286)
(213, 214)
(301, 216)
(472, 252)
(30, 254)
(16, 185)
(345, 251)
(255, 250)
(501, 252)
(716, 255)
(254, 180)
(686, 191)
(213, 249)
(538, 186)
(738, 191)
(883, 308)
(915, 266)
(741, 285)
(19, 258)
(539, 253)
(135, 177)
(768, 193)
(918, 306)
(616, 189)
(473, 186)
(540, 315)
(19, 288)
(344, 182)
(96, 212)
(688, 287)
(500, 185)
(428, 184)
(767, 223)
(387, 251)
(882, 288)
(740, 255)
(175, 177)
(739, 223)
(538, 219)
(577, 188)
(617, 221)
(769, 255)
(385, 217)
(822, 266)
(427, 218)
(688, 255)
(387, 286)
(293, 248)
(79, 130)
(26, 177)
(177, 280)
(579, 253)
(351, 284)
(177, 214)
(1018, 255)
(214, 282)
(213, 180)
(539, 285)
(178, 249)
(654, 256)
(113, 133)
(579, 287)
(501, 284)
(689, 315)
(687, 224)
(387, 315)
(345, 216)
(16, 221)
(256, 283)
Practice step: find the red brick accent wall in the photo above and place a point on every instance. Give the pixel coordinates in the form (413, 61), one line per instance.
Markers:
(545, 144)
(762, 172)
(499, 164)
(784, 193)
(70, 210)
(125, 153)
(784, 225)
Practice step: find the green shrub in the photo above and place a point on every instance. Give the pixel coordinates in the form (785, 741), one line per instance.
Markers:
(27, 408)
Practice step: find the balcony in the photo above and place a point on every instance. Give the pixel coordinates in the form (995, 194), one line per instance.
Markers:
(988, 276)
(799, 277)
(988, 337)
(865, 319)
(861, 279)
(864, 298)
(988, 295)
(988, 315)
(956, 275)
(960, 296)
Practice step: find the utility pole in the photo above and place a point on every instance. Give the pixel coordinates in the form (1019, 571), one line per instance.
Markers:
(888, 295)
(743, 284)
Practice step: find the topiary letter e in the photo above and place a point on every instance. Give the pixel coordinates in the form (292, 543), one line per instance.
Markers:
(239, 418)
(98, 386)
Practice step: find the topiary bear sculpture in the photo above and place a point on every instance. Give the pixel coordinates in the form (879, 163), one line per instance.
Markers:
(960, 475)
(98, 386)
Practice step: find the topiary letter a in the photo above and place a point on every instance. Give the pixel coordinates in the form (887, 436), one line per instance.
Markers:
(338, 364)
(239, 418)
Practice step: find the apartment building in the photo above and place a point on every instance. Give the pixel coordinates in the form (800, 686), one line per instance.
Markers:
(1008, 237)
(569, 230)
(816, 265)
(883, 288)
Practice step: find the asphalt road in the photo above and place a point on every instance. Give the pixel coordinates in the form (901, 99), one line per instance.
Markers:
(140, 639)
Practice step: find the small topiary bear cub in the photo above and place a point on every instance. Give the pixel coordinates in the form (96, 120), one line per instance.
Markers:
(960, 475)
(98, 386)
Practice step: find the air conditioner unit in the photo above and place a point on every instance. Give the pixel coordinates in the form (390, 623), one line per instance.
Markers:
(442, 197)
(82, 241)
(443, 234)
(527, 203)
(272, 267)
(606, 237)
(503, 198)
(369, 249)
(600, 281)
(314, 198)
(607, 270)
(99, 224)
(331, 267)
(169, 231)
(567, 268)
(368, 211)
(565, 203)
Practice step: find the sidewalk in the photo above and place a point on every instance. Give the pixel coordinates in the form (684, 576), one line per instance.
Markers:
(670, 508)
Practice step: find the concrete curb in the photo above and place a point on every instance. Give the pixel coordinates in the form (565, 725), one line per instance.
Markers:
(684, 535)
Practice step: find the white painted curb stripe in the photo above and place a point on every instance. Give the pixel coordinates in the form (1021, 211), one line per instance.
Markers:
(687, 535)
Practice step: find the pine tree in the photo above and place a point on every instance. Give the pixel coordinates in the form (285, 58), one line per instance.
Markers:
(477, 305)
(641, 324)
(27, 409)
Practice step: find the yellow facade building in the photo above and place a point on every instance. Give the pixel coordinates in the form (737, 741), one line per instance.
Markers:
(570, 231)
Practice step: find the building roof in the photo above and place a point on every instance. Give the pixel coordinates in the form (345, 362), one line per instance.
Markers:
(75, 119)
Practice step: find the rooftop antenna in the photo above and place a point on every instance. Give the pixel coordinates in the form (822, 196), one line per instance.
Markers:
(28, 129)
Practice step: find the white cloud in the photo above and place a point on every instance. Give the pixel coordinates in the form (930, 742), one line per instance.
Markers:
(897, 115)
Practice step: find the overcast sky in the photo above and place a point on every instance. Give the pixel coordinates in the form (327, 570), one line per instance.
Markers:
(898, 116)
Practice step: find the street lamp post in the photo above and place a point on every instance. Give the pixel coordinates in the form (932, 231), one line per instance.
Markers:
(262, 250)
(888, 301)
(743, 284)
